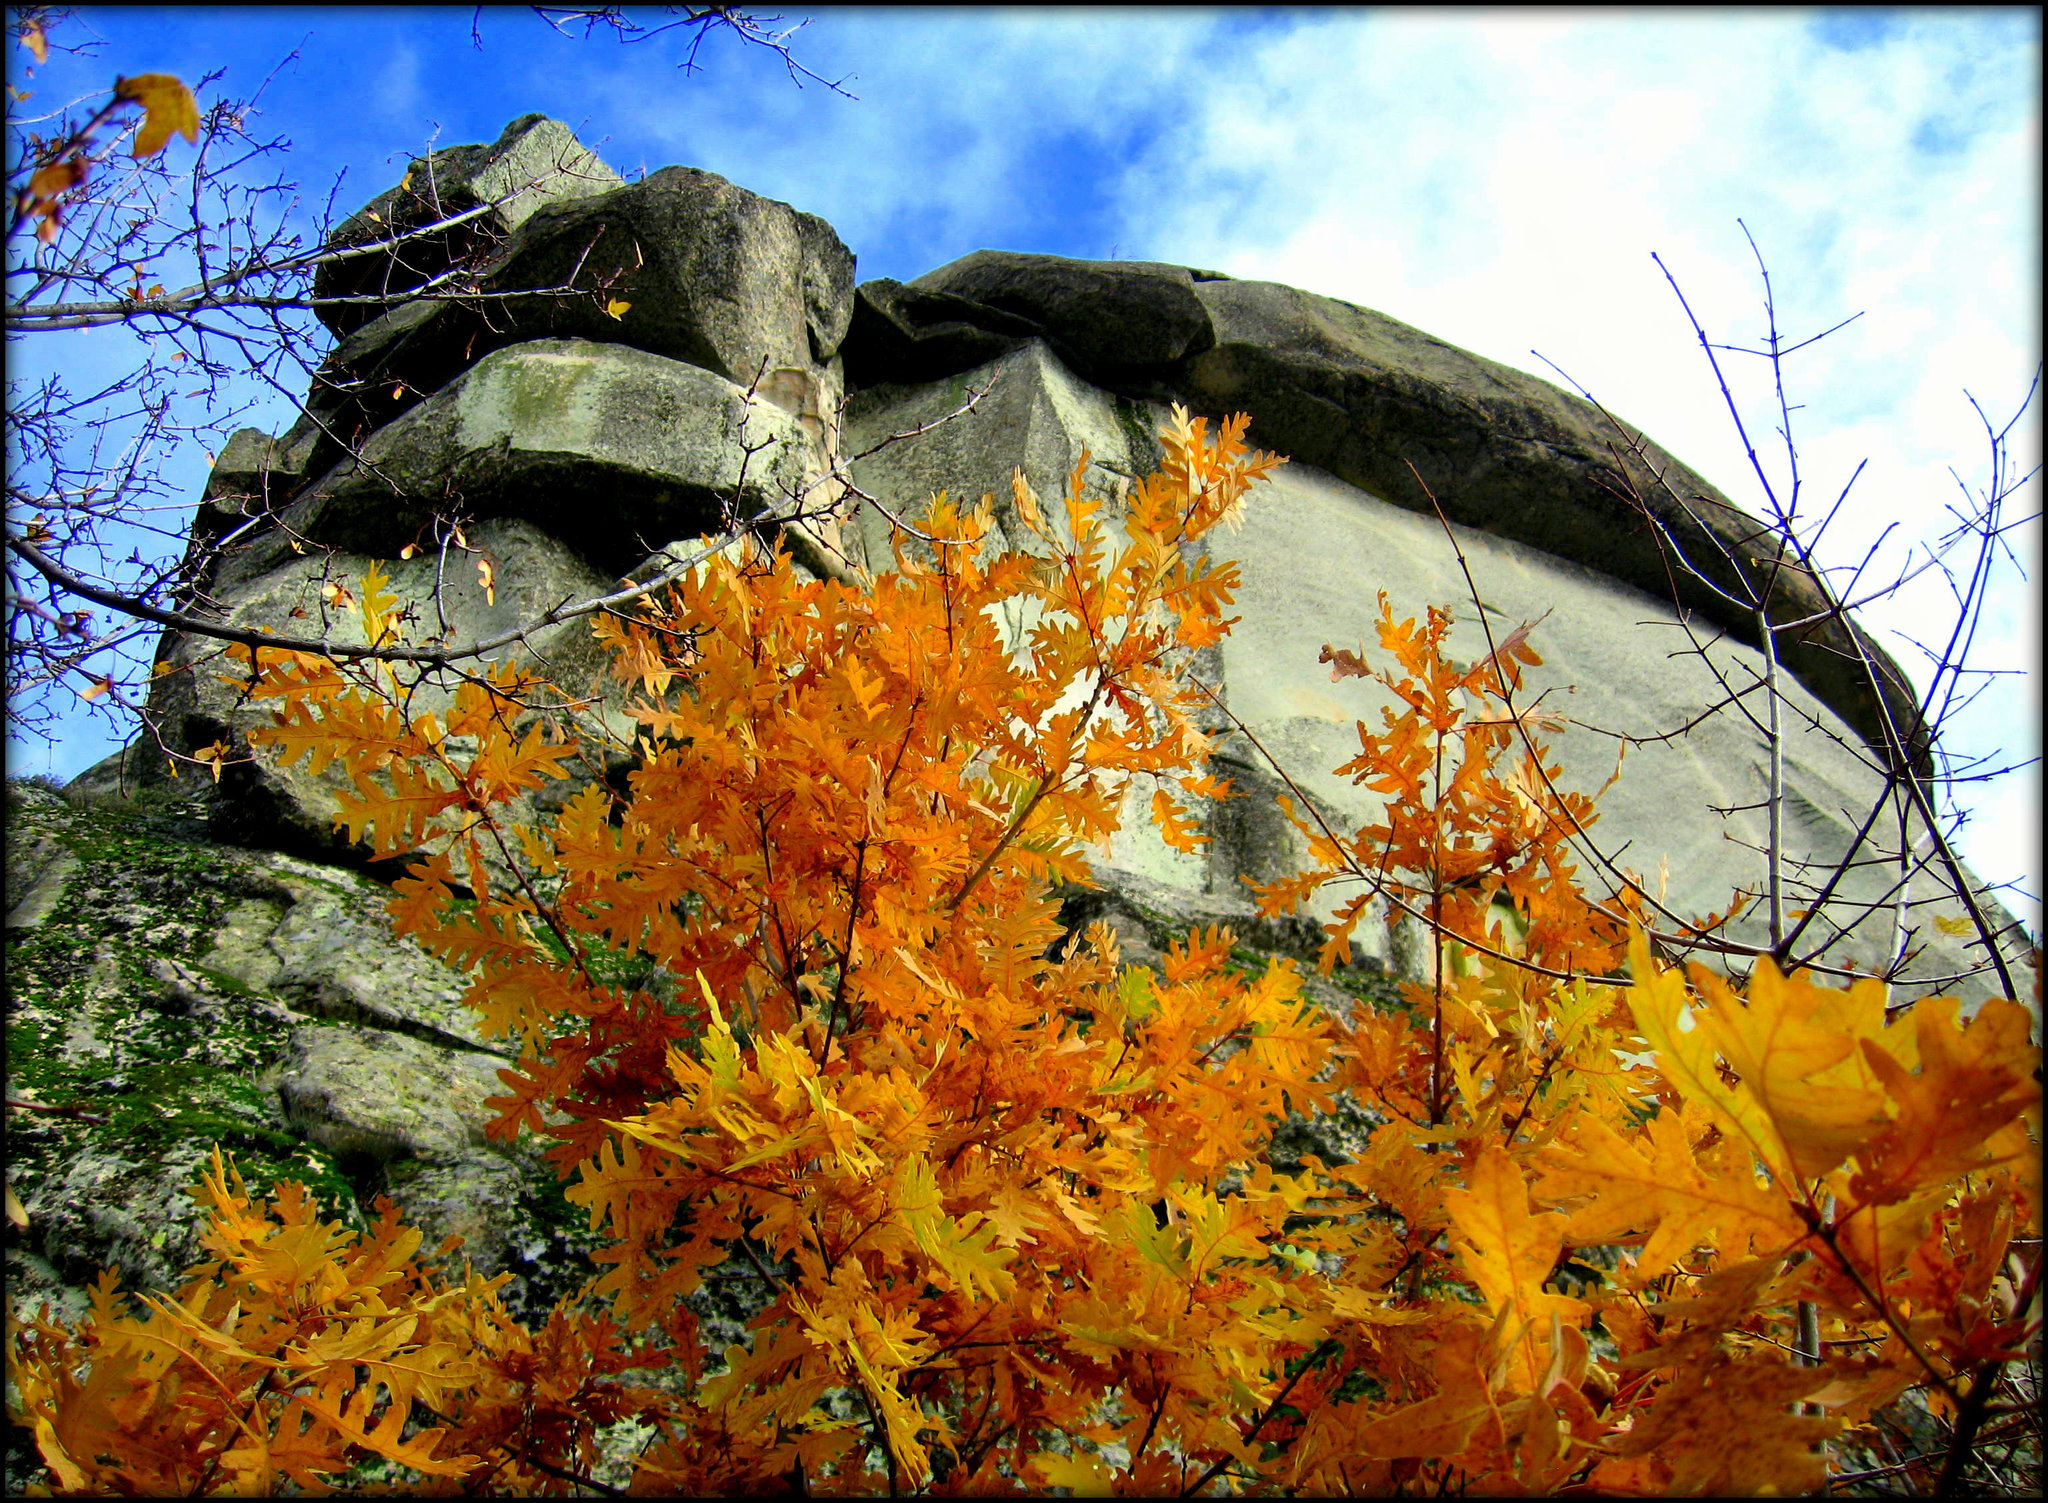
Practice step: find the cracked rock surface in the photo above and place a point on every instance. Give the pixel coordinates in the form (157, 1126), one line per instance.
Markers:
(173, 993)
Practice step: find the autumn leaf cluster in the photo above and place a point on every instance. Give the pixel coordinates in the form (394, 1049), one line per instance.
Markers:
(59, 168)
(1007, 1201)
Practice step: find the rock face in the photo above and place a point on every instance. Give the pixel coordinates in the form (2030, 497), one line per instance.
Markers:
(192, 963)
(167, 992)
(1362, 397)
(535, 162)
(690, 267)
(626, 448)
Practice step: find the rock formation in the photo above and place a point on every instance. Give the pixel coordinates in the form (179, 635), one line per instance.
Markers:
(194, 963)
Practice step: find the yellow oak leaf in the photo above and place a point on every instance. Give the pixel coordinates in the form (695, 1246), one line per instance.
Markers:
(378, 605)
(1949, 1116)
(1508, 1255)
(1084, 1474)
(1651, 1188)
(1792, 1045)
(168, 109)
(1801, 1099)
(1177, 827)
(1722, 1424)
(1441, 1425)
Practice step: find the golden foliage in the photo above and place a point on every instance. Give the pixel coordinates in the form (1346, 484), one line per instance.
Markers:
(1007, 1199)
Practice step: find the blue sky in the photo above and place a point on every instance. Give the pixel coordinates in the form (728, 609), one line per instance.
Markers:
(1498, 179)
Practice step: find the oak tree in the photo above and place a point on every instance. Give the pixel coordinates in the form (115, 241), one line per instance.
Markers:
(1006, 1199)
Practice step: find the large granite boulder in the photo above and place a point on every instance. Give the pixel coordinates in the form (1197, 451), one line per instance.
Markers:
(534, 161)
(1357, 394)
(681, 264)
(623, 452)
(199, 694)
(1113, 321)
(573, 438)
(903, 335)
(1364, 397)
(1315, 554)
(1037, 416)
(717, 276)
(609, 445)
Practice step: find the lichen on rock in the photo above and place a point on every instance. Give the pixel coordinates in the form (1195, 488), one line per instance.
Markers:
(178, 993)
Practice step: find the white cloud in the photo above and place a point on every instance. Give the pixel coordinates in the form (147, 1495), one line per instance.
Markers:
(1501, 180)
(395, 87)
(963, 136)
